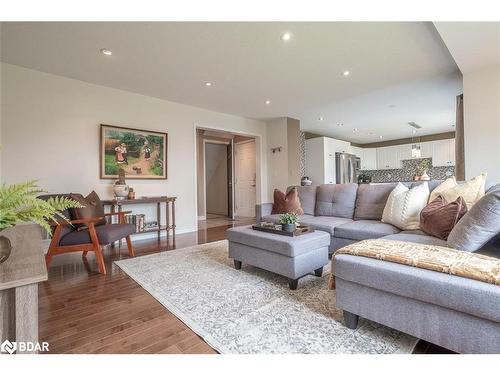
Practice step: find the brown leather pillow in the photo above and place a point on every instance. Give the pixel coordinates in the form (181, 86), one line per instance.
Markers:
(287, 203)
(92, 208)
(439, 217)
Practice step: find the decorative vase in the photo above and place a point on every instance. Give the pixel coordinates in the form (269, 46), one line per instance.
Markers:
(121, 191)
(425, 177)
(305, 181)
(288, 227)
(5, 248)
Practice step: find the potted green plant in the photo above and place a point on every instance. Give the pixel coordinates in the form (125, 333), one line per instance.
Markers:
(288, 221)
(19, 203)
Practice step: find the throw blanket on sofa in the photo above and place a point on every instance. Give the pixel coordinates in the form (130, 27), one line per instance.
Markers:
(435, 258)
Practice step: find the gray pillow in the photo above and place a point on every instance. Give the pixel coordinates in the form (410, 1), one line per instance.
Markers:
(478, 226)
(307, 197)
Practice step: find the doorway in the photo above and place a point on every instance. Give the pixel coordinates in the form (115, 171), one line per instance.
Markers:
(226, 178)
(245, 178)
(216, 180)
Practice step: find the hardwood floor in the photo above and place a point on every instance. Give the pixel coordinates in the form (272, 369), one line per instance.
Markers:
(82, 311)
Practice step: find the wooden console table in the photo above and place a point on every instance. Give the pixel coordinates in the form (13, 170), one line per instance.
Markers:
(19, 278)
(169, 212)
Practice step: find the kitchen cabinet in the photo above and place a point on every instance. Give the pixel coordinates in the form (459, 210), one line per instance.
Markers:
(390, 157)
(369, 159)
(443, 153)
(320, 158)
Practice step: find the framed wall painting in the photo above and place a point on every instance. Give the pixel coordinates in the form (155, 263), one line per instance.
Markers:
(141, 153)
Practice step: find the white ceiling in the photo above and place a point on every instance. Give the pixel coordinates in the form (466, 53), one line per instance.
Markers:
(474, 45)
(400, 72)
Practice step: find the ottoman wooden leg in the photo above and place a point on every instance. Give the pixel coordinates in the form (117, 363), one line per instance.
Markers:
(318, 272)
(237, 264)
(351, 320)
(293, 283)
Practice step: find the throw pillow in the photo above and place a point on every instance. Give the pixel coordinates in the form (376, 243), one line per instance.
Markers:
(92, 208)
(404, 205)
(287, 203)
(449, 183)
(478, 226)
(471, 190)
(439, 217)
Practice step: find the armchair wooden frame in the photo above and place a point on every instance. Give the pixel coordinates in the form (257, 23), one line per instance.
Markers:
(94, 245)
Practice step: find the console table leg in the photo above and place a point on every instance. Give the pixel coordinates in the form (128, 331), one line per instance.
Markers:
(173, 220)
(158, 219)
(167, 208)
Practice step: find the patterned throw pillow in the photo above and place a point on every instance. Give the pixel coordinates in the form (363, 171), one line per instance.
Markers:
(404, 205)
(439, 217)
(287, 203)
(471, 191)
(92, 208)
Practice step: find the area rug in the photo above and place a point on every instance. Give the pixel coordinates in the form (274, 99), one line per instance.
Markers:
(252, 310)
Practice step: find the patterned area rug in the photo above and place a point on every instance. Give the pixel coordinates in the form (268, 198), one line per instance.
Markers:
(252, 310)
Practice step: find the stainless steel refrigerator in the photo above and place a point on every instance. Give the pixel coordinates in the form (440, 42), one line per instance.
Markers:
(346, 168)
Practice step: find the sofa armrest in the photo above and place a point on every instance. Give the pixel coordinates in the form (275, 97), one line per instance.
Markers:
(262, 210)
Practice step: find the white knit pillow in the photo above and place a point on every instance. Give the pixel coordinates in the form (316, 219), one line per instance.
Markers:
(404, 205)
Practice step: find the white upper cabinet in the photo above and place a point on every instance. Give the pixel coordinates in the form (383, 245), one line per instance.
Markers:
(368, 158)
(443, 153)
(390, 157)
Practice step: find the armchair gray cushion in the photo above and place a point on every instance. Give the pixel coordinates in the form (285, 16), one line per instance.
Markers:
(105, 233)
(336, 200)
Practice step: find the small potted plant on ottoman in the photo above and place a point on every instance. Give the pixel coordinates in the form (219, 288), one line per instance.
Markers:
(288, 221)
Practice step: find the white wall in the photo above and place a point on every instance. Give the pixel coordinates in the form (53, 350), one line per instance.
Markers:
(51, 133)
(482, 123)
(277, 161)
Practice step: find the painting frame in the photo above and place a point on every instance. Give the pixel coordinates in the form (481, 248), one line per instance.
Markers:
(104, 153)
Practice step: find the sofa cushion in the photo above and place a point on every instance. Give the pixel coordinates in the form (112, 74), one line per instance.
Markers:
(478, 226)
(336, 200)
(371, 199)
(287, 203)
(416, 236)
(307, 197)
(324, 223)
(404, 205)
(439, 217)
(472, 190)
(105, 233)
(365, 230)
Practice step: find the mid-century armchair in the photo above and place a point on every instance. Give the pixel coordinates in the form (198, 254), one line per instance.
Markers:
(66, 239)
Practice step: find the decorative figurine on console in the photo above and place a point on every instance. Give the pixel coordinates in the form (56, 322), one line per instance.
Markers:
(120, 188)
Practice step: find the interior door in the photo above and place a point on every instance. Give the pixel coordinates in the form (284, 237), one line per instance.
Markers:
(245, 179)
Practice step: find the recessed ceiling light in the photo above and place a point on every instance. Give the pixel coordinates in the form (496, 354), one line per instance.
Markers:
(106, 52)
(345, 73)
(355, 130)
(268, 102)
(286, 37)
(208, 84)
(380, 137)
(320, 118)
(339, 124)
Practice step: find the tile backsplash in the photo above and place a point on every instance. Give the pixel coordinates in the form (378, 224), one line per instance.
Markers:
(408, 170)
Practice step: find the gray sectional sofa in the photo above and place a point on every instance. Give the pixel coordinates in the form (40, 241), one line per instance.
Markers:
(460, 314)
